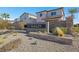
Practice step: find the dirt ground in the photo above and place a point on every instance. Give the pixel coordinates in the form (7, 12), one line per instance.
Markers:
(30, 44)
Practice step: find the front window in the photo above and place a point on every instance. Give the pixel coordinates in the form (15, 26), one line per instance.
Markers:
(53, 13)
(40, 15)
(25, 18)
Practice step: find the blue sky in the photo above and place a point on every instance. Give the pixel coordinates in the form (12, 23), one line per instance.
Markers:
(15, 12)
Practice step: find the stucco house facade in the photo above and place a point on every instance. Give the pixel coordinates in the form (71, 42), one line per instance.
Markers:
(28, 18)
(54, 17)
(51, 15)
(49, 18)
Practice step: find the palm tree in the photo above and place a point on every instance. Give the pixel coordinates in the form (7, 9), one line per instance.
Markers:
(5, 16)
(72, 11)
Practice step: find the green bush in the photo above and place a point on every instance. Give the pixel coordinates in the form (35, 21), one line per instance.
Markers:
(34, 43)
(43, 30)
(54, 31)
(64, 29)
(76, 29)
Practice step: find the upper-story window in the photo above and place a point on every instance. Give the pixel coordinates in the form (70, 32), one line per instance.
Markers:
(40, 15)
(25, 18)
(53, 13)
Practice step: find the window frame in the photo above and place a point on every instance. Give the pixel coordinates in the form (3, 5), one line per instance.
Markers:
(53, 13)
(40, 14)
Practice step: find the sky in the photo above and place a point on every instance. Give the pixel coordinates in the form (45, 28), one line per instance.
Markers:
(15, 12)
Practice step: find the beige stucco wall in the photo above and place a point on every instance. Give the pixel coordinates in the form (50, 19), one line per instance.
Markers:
(48, 14)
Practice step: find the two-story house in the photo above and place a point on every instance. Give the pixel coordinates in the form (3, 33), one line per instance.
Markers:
(50, 15)
(54, 17)
(28, 18)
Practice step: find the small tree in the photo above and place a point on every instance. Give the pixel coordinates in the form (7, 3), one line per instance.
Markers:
(5, 16)
(72, 11)
(5, 22)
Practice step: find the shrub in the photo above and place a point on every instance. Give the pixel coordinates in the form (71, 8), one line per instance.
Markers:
(1, 40)
(54, 31)
(34, 43)
(44, 31)
(64, 29)
(76, 29)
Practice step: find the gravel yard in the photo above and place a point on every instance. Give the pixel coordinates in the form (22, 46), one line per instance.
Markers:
(30, 44)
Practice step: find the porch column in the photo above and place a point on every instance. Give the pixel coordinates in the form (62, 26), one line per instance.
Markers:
(48, 27)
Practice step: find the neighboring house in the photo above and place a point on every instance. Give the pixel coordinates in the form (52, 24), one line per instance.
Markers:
(28, 18)
(17, 19)
(16, 23)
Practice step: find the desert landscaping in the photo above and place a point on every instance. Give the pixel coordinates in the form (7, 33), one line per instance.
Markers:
(45, 31)
(21, 42)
